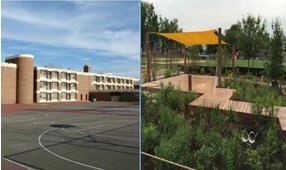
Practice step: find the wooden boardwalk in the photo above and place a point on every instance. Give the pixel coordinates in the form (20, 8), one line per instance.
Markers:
(213, 96)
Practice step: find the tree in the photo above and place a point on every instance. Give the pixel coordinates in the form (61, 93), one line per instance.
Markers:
(149, 22)
(232, 36)
(166, 25)
(275, 66)
(211, 49)
(252, 36)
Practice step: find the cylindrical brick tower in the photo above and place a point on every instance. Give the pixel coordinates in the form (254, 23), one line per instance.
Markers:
(25, 77)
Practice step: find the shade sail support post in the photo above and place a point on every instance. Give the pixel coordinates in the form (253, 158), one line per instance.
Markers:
(233, 56)
(219, 59)
(185, 59)
(148, 57)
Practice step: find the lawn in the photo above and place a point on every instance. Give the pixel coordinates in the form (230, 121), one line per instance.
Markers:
(210, 62)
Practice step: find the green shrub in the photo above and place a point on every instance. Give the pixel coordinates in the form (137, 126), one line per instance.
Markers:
(175, 149)
(150, 138)
(250, 92)
(169, 121)
(252, 160)
(210, 139)
(167, 73)
(202, 71)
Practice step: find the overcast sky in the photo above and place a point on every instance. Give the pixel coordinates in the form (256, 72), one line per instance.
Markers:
(210, 14)
(73, 33)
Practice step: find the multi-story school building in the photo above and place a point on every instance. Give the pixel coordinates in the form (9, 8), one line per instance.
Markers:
(24, 83)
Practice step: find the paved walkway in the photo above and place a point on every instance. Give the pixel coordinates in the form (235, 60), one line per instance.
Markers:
(212, 96)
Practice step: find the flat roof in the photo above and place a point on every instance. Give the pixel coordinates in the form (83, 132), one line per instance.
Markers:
(9, 65)
(20, 56)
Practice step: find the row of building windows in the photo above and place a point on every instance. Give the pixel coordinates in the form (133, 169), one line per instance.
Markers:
(101, 79)
(111, 87)
(57, 75)
(55, 85)
(57, 96)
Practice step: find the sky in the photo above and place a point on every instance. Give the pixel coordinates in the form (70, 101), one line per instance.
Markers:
(194, 15)
(70, 34)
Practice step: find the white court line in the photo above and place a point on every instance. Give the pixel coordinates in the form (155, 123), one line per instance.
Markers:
(21, 120)
(17, 163)
(92, 127)
(103, 121)
(116, 137)
(103, 135)
(44, 122)
(61, 157)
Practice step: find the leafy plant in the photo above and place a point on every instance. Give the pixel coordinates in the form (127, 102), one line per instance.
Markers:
(167, 73)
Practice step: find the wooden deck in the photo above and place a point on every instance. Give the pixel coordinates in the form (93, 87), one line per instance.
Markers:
(212, 96)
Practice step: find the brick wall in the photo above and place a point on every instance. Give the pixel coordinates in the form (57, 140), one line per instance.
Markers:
(84, 85)
(8, 84)
(25, 79)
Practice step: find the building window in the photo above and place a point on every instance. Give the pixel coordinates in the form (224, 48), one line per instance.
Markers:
(43, 74)
(96, 79)
(68, 96)
(55, 85)
(63, 95)
(64, 86)
(43, 96)
(49, 96)
(55, 96)
(43, 85)
(73, 96)
(102, 79)
(80, 96)
(108, 80)
(68, 87)
(73, 76)
(73, 86)
(68, 76)
(55, 75)
(63, 75)
(49, 75)
(97, 87)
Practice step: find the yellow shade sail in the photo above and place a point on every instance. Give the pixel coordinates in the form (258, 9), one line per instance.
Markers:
(194, 38)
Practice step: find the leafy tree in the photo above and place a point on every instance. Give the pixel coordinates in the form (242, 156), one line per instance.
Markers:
(149, 22)
(252, 36)
(275, 66)
(166, 25)
(211, 49)
(194, 54)
(253, 30)
(232, 35)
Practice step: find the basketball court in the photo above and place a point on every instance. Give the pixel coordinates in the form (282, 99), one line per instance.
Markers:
(72, 136)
